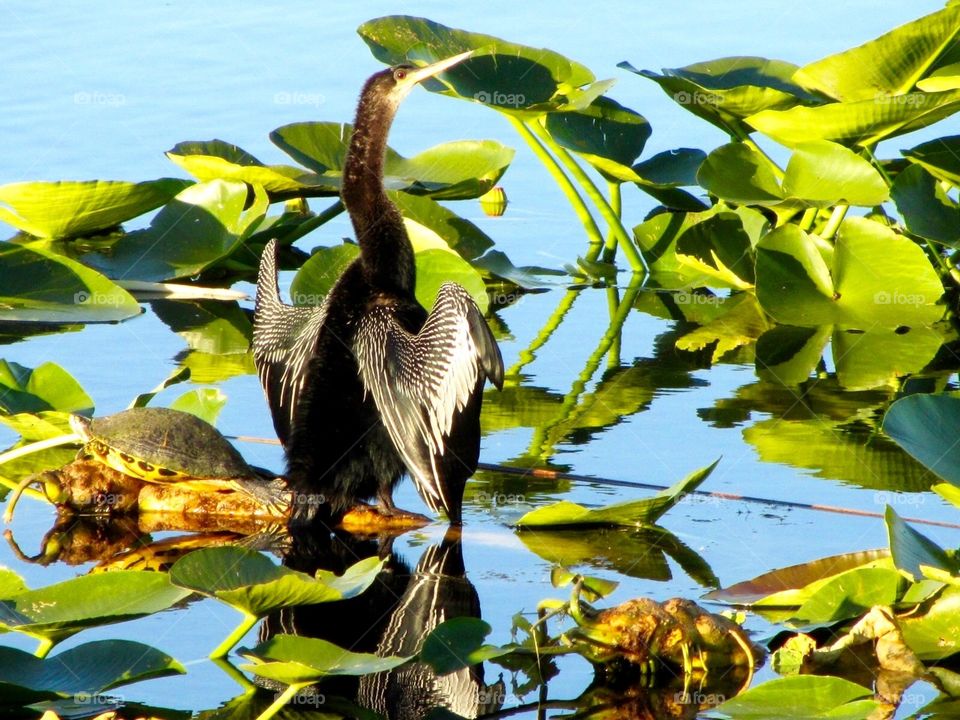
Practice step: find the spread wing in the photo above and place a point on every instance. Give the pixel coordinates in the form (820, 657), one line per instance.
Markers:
(421, 384)
(284, 339)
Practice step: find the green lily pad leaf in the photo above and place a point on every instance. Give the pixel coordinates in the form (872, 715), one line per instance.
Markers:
(926, 209)
(726, 90)
(505, 76)
(940, 158)
(250, 582)
(738, 173)
(926, 426)
(606, 134)
(791, 586)
(460, 235)
(435, 267)
(216, 159)
(935, 634)
(297, 660)
(56, 612)
(202, 226)
(460, 170)
(741, 323)
(788, 355)
(316, 276)
(890, 65)
(46, 387)
(37, 285)
(801, 696)
(88, 669)
(950, 493)
(458, 643)
(862, 123)
(823, 174)
(820, 174)
(877, 357)
(877, 278)
(11, 583)
(205, 403)
(910, 548)
(76, 208)
(527, 277)
(39, 426)
(719, 248)
(671, 168)
(633, 513)
(209, 326)
(946, 77)
(849, 594)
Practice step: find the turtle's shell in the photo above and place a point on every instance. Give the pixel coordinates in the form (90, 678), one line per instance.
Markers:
(167, 439)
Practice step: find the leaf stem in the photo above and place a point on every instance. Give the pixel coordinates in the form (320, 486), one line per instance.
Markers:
(43, 649)
(809, 216)
(637, 263)
(833, 224)
(579, 206)
(529, 354)
(234, 637)
(308, 226)
(616, 204)
(282, 699)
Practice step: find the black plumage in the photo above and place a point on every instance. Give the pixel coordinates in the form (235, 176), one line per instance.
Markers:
(368, 384)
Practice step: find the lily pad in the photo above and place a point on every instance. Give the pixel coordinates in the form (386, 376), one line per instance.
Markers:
(38, 285)
(458, 643)
(46, 387)
(88, 669)
(911, 549)
(927, 427)
(55, 612)
(202, 226)
(926, 209)
(801, 696)
(940, 157)
(316, 276)
(459, 170)
(76, 208)
(633, 513)
(296, 660)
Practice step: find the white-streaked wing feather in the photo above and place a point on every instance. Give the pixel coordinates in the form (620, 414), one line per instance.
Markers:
(419, 382)
(284, 339)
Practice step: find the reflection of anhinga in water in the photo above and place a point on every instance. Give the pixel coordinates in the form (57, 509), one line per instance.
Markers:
(368, 384)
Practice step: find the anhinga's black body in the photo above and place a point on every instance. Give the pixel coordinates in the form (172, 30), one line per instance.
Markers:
(368, 384)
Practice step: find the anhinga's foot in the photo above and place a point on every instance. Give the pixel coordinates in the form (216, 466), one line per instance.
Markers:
(375, 519)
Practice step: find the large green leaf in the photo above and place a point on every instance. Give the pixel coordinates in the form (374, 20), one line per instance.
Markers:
(633, 513)
(926, 209)
(801, 696)
(792, 586)
(37, 285)
(849, 594)
(862, 123)
(200, 227)
(508, 77)
(940, 157)
(726, 90)
(606, 134)
(438, 266)
(296, 660)
(461, 235)
(58, 611)
(88, 669)
(250, 582)
(927, 427)
(74, 208)
(216, 159)
(46, 387)
(935, 633)
(889, 65)
(911, 549)
(877, 278)
(819, 174)
(316, 276)
(458, 643)
(458, 170)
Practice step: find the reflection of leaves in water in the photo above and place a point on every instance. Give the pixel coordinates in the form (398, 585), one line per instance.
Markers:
(636, 553)
(820, 426)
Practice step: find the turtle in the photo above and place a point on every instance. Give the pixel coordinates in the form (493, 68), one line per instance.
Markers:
(166, 446)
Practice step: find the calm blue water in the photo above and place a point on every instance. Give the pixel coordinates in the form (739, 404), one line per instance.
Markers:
(100, 90)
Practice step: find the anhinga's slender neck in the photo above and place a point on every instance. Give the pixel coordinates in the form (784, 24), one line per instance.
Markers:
(385, 249)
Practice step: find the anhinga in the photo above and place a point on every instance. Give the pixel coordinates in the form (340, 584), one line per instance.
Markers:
(367, 384)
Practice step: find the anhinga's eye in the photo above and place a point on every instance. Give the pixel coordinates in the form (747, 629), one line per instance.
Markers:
(399, 74)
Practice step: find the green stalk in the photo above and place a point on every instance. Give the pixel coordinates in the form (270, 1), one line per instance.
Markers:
(308, 226)
(613, 303)
(579, 206)
(637, 263)
(833, 224)
(528, 355)
(806, 222)
(282, 699)
(238, 677)
(616, 203)
(43, 649)
(234, 637)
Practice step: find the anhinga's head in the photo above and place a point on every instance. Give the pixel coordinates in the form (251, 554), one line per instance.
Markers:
(389, 87)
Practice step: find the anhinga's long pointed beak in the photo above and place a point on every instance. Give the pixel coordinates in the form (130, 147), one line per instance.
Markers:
(428, 71)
